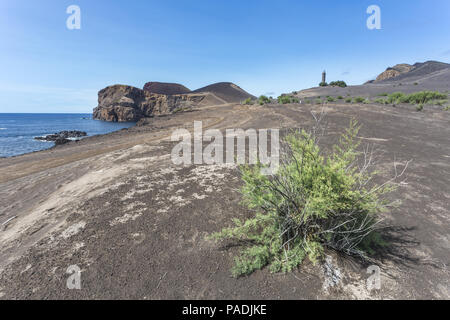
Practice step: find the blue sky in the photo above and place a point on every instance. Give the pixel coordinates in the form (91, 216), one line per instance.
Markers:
(266, 47)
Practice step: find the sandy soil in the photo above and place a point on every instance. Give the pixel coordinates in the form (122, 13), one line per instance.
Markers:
(135, 223)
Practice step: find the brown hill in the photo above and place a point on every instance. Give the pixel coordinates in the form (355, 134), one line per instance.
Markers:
(165, 88)
(227, 91)
(407, 72)
(430, 75)
(394, 71)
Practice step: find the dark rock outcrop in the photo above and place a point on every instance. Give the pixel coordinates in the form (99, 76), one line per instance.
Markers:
(122, 103)
(166, 88)
(62, 137)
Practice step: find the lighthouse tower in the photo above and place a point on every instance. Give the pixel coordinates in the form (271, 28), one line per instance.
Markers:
(324, 77)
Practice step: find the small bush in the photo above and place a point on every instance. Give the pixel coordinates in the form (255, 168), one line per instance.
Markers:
(248, 101)
(348, 100)
(396, 97)
(339, 83)
(330, 99)
(263, 100)
(340, 97)
(284, 99)
(441, 102)
(312, 203)
(323, 84)
(419, 107)
(318, 101)
(180, 109)
(383, 94)
(415, 83)
(359, 99)
(295, 100)
(380, 101)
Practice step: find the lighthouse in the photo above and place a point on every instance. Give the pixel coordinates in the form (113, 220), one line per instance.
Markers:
(324, 76)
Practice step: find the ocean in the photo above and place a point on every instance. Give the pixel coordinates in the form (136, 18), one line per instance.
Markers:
(17, 130)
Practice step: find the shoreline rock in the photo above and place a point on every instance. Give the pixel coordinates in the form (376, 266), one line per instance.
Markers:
(62, 137)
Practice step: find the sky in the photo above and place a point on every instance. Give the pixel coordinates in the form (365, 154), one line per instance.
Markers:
(265, 47)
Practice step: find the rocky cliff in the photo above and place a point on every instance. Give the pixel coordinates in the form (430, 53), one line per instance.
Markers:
(395, 71)
(120, 103)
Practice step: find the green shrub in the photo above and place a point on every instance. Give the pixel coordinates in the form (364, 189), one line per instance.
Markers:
(330, 99)
(248, 101)
(263, 100)
(447, 108)
(383, 94)
(441, 102)
(359, 99)
(339, 83)
(323, 84)
(312, 203)
(295, 100)
(396, 97)
(419, 107)
(340, 97)
(380, 100)
(318, 101)
(421, 97)
(415, 83)
(348, 100)
(284, 99)
(180, 109)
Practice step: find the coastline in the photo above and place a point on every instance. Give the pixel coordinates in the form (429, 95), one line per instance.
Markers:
(23, 129)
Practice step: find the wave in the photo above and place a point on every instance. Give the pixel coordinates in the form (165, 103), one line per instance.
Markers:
(3, 128)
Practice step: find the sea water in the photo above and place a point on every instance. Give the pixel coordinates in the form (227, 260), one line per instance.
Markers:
(17, 130)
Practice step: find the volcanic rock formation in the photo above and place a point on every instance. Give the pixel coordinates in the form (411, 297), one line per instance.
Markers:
(121, 103)
(166, 88)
